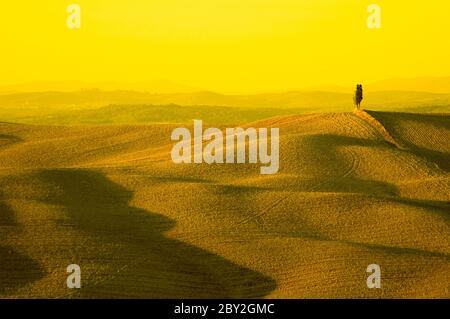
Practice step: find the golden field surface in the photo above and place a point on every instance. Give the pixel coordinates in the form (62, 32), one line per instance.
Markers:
(353, 189)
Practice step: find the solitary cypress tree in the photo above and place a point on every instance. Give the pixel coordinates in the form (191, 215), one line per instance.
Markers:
(358, 96)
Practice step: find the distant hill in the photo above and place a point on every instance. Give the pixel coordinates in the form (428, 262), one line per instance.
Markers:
(294, 99)
(423, 84)
(95, 98)
(420, 84)
(157, 86)
(127, 107)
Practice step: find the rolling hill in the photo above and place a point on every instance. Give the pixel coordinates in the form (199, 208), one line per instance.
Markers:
(108, 197)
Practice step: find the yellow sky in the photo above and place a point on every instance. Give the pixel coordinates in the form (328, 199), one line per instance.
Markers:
(224, 45)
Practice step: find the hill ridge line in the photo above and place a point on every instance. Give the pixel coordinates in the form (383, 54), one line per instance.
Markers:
(378, 126)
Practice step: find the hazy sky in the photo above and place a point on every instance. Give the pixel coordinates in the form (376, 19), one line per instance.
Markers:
(224, 45)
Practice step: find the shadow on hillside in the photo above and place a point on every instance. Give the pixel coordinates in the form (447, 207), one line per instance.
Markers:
(177, 179)
(7, 218)
(437, 207)
(6, 139)
(441, 122)
(395, 250)
(16, 269)
(349, 185)
(335, 165)
(374, 247)
(144, 262)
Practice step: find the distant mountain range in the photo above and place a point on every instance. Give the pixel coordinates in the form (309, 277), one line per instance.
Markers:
(160, 86)
(319, 100)
(93, 106)
(422, 84)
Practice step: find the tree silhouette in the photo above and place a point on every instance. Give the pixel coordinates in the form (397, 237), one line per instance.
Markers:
(358, 96)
